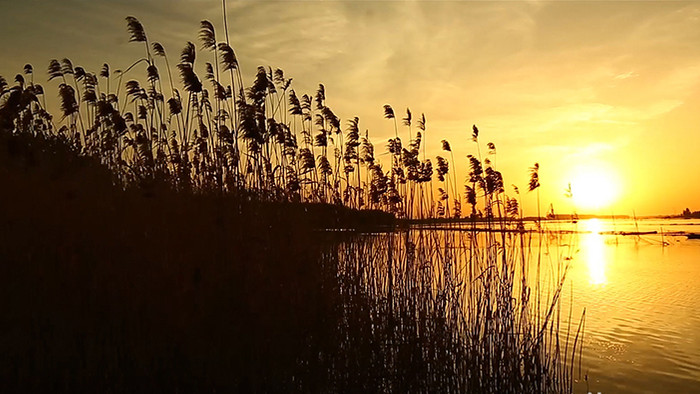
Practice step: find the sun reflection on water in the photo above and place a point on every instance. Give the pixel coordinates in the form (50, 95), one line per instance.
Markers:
(593, 246)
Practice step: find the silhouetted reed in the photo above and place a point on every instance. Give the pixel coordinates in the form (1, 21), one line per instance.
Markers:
(446, 311)
(169, 240)
(215, 134)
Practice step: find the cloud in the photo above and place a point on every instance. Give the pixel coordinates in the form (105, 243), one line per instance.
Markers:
(629, 74)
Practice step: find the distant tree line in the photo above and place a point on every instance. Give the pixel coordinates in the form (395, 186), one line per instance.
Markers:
(687, 214)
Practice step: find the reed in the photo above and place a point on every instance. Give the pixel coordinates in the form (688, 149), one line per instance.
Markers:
(169, 240)
(216, 134)
(447, 311)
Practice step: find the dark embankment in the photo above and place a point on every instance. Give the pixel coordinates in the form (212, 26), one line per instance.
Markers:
(104, 290)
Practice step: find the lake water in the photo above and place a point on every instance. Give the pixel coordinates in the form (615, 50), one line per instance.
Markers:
(641, 294)
(642, 300)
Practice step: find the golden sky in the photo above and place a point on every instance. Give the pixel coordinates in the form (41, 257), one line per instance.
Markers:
(596, 92)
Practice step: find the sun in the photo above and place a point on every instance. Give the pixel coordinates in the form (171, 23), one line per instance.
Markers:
(594, 187)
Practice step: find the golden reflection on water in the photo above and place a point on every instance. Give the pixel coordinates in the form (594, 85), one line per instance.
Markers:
(593, 247)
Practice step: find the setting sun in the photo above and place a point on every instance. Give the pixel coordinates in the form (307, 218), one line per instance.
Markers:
(594, 187)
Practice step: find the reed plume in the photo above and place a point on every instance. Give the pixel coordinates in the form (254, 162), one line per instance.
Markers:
(136, 30)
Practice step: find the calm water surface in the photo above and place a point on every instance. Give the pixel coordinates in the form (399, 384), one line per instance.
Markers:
(641, 296)
(642, 300)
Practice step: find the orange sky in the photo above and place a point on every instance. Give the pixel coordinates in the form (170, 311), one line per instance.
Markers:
(596, 92)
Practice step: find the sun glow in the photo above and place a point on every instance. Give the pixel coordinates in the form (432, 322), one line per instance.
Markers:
(593, 246)
(594, 188)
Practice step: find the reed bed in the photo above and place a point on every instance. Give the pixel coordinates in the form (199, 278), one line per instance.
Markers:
(167, 239)
(444, 311)
(197, 127)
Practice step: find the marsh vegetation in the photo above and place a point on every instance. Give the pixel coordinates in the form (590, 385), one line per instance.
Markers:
(162, 236)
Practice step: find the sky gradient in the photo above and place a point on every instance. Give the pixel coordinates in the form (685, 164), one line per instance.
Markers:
(606, 91)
